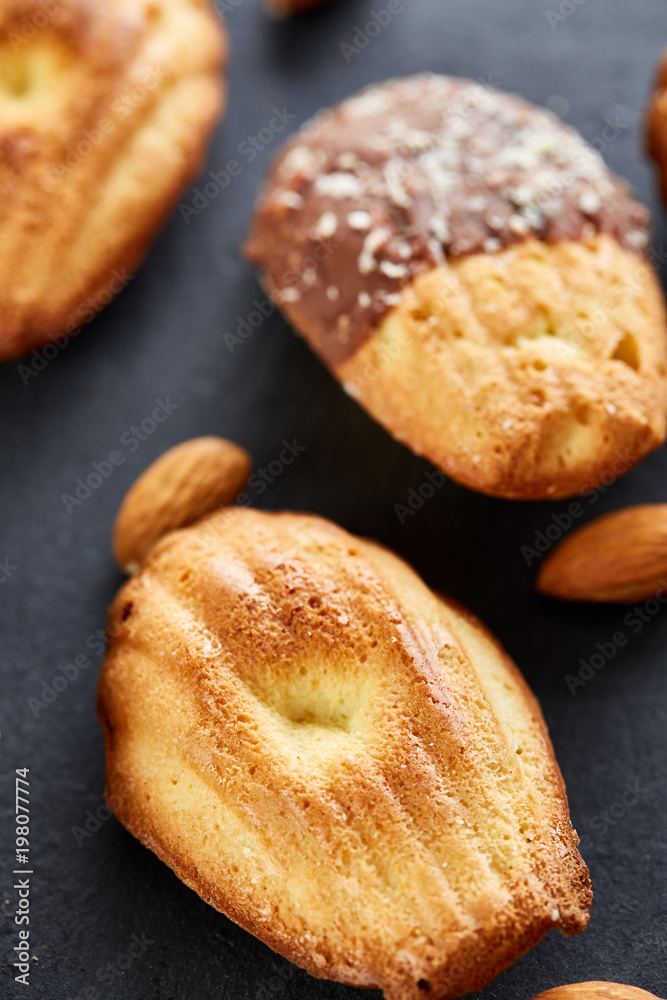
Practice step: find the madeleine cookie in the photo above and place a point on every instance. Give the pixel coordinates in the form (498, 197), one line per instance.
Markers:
(106, 109)
(469, 269)
(656, 124)
(342, 761)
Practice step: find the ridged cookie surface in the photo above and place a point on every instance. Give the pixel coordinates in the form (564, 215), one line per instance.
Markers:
(474, 275)
(342, 761)
(106, 107)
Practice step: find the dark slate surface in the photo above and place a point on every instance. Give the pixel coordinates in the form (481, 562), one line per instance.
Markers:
(163, 340)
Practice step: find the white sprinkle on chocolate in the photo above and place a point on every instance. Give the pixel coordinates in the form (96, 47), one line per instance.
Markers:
(395, 189)
(347, 161)
(375, 239)
(333, 293)
(520, 195)
(326, 225)
(439, 228)
(477, 204)
(518, 225)
(360, 221)
(364, 300)
(291, 199)
(301, 160)
(339, 185)
(637, 238)
(393, 270)
(289, 295)
(590, 202)
(496, 222)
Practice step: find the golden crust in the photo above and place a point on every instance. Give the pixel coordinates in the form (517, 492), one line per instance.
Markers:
(533, 373)
(105, 112)
(656, 123)
(343, 762)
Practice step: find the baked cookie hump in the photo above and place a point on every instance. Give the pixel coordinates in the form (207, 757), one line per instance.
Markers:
(342, 761)
(475, 276)
(106, 107)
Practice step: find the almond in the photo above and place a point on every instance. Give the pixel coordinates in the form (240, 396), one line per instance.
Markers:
(280, 9)
(620, 557)
(188, 481)
(596, 991)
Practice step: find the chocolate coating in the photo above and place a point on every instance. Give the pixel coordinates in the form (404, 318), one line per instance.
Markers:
(412, 172)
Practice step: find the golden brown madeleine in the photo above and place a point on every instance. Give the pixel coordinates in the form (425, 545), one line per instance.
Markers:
(339, 759)
(106, 108)
(656, 123)
(596, 991)
(474, 275)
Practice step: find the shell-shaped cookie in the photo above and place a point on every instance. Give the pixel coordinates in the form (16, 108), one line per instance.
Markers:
(341, 760)
(477, 279)
(106, 107)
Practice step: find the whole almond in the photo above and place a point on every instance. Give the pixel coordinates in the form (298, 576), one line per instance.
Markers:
(280, 9)
(620, 558)
(188, 481)
(596, 991)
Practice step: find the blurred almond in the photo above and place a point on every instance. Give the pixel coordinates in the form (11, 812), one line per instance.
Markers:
(187, 482)
(620, 557)
(596, 991)
(285, 8)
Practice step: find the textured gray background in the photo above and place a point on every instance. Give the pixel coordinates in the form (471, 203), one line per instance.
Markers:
(164, 338)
